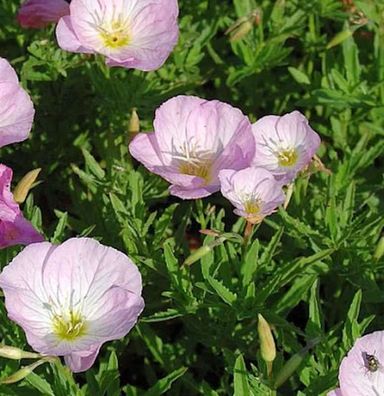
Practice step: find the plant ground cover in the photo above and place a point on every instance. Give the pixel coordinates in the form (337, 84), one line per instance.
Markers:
(314, 271)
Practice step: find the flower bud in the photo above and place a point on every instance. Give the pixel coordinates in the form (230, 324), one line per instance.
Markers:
(134, 123)
(267, 343)
(9, 352)
(25, 184)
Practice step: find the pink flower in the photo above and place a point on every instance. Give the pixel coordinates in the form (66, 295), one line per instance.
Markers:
(253, 191)
(362, 370)
(284, 145)
(14, 229)
(16, 108)
(71, 298)
(40, 13)
(193, 140)
(138, 34)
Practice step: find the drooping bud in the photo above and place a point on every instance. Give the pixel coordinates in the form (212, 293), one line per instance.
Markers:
(25, 184)
(243, 26)
(9, 352)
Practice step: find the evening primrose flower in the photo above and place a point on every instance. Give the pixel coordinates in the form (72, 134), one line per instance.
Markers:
(361, 372)
(71, 298)
(16, 108)
(284, 145)
(14, 228)
(193, 140)
(40, 13)
(253, 191)
(137, 34)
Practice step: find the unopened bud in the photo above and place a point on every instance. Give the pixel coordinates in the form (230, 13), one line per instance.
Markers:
(267, 343)
(25, 184)
(134, 123)
(9, 352)
(240, 31)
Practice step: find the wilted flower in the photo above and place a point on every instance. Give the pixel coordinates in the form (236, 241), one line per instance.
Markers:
(71, 298)
(193, 140)
(284, 145)
(362, 371)
(16, 108)
(40, 13)
(14, 228)
(136, 34)
(253, 191)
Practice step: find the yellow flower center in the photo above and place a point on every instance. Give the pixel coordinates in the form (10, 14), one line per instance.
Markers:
(69, 328)
(287, 157)
(252, 207)
(201, 169)
(115, 37)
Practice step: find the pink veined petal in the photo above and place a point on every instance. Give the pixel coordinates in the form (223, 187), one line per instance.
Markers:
(196, 193)
(7, 73)
(94, 268)
(16, 114)
(67, 39)
(40, 13)
(18, 232)
(24, 292)
(354, 376)
(144, 148)
(14, 228)
(80, 361)
(171, 122)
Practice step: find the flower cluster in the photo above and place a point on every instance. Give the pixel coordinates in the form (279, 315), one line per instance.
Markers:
(72, 298)
(202, 146)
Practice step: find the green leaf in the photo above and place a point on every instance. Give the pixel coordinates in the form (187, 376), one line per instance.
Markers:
(240, 379)
(40, 384)
(165, 384)
(299, 76)
(223, 292)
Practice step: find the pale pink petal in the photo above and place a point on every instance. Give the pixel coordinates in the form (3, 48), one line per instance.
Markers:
(16, 114)
(81, 361)
(66, 37)
(335, 392)
(7, 73)
(16, 111)
(355, 378)
(144, 148)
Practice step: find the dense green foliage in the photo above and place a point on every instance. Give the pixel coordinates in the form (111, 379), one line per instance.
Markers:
(315, 271)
